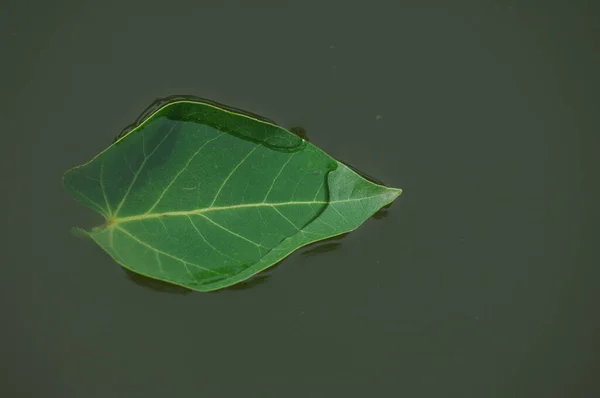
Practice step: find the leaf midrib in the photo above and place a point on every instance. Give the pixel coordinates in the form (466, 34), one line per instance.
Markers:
(120, 220)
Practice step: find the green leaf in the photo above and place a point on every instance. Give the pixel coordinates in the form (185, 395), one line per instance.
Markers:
(205, 197)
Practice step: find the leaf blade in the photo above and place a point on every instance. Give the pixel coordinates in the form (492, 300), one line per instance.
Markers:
(214, 197)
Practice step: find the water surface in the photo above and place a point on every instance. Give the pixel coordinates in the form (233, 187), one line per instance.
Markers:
(479, 282)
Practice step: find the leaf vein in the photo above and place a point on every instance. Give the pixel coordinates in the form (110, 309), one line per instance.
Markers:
(230, 231)
(340, 214)
(141, 242)
(208, 243)
(277, 176)
(287, 219)
(103, 190)
(160, 267)
(137, 174)
(185, 263)
(233, 207)
(230, 174)
(180, 172)
(101, 209)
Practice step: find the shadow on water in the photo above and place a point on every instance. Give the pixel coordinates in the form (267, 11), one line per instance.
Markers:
(251, 282)
(382, 213)
(155, 284)
(316, 248)
(300, 132)
(324, 246)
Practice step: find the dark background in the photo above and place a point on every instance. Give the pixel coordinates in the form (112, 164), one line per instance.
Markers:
(481, 281)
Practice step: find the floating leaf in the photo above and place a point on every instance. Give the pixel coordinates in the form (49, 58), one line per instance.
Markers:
(204, 197)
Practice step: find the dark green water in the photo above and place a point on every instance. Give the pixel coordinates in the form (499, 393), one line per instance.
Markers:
(481, 280)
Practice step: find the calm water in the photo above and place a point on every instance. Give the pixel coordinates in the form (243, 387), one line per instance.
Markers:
(480, 281)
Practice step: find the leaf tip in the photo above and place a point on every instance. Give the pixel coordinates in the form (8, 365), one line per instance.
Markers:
(392, 194)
